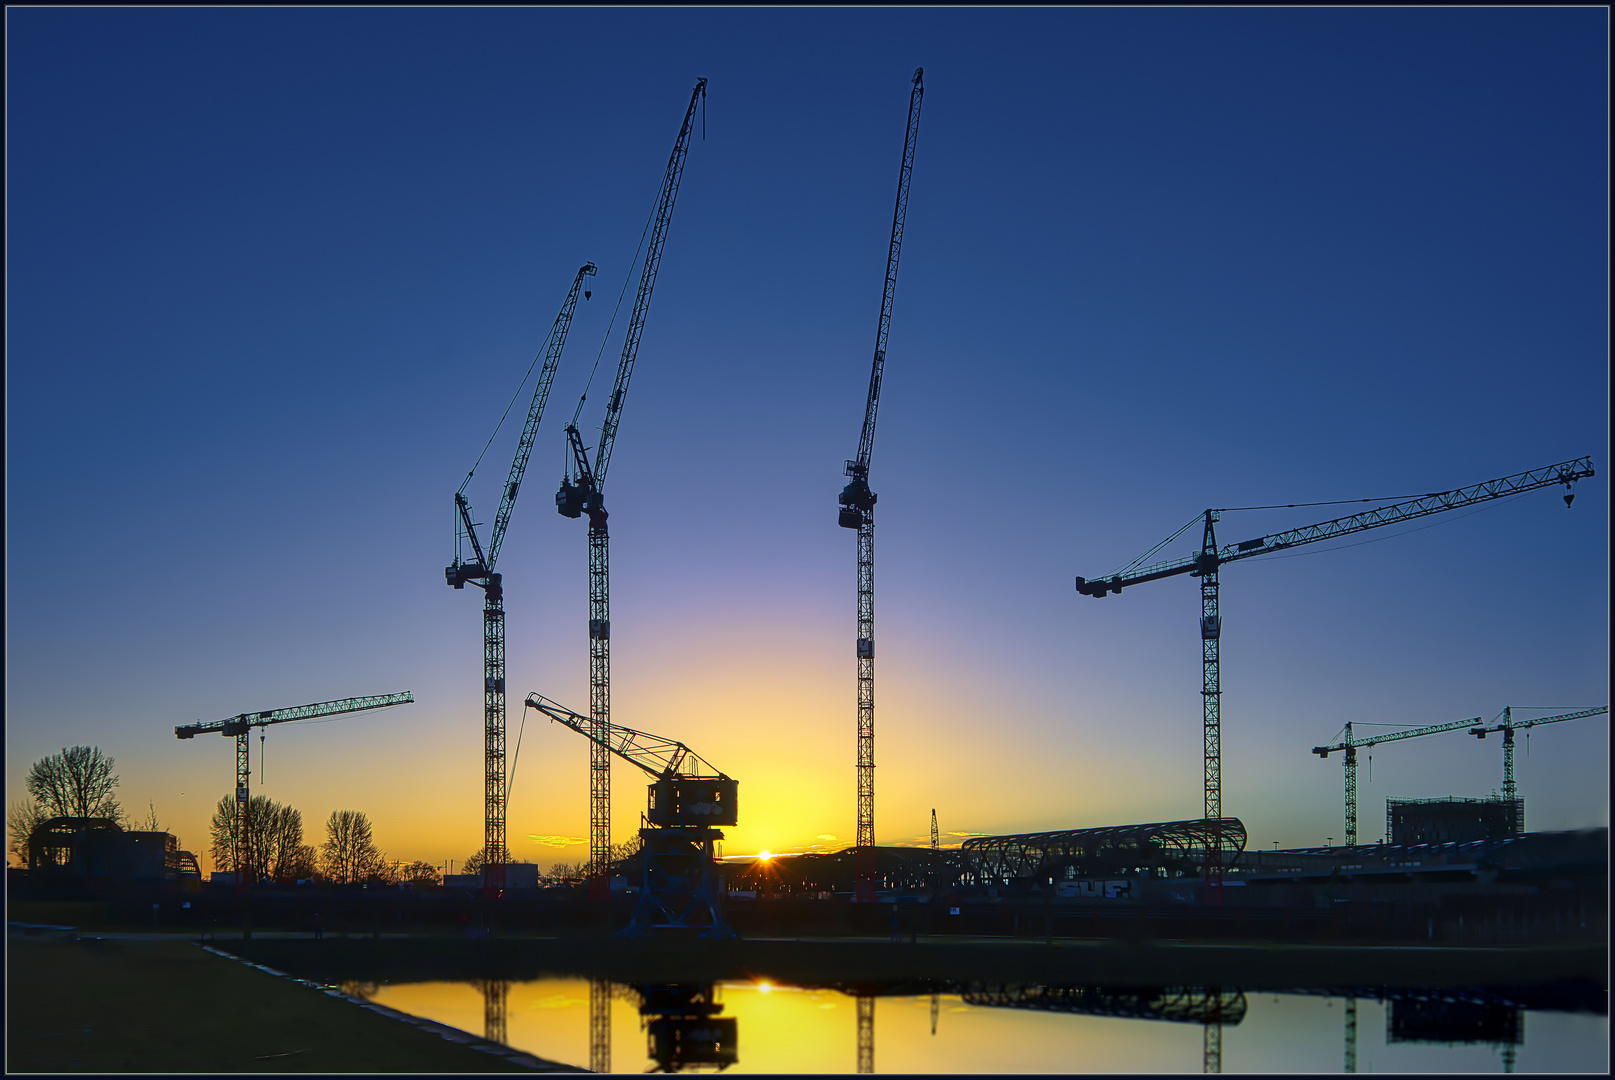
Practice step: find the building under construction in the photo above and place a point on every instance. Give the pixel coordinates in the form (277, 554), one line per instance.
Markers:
(1451, 820)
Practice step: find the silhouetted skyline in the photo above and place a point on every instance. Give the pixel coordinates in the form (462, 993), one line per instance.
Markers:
(275, 273)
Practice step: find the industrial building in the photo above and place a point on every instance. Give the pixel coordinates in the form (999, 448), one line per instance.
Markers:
(101, 848)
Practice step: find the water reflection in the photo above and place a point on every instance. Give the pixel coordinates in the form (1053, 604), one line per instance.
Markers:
(1019, 1027)
(685, 1032)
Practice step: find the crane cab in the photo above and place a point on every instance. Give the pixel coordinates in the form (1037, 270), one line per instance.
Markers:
(569, 500)
(684, 800)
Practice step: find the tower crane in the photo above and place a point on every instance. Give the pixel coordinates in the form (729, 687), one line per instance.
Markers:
(1351, 745)
(1508, 727)
(584, 494)
(241, 726)
(858, 512)
(1211, 558)
(688, 800)
(478, 569)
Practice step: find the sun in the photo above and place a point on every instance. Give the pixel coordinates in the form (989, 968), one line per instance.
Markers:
(764, 856)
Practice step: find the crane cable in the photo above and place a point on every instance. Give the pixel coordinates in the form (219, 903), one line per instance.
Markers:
(1315, 551)
(511, 779)
(499, 425)
(1392, 536)
(630, 276)
(1140, 560)
(622, 293)
(1330, 502)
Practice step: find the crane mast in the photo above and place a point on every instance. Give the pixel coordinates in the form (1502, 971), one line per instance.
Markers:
(586, 495)
(241, 726)
(479, 570)
(858, 512)
(1211, 557)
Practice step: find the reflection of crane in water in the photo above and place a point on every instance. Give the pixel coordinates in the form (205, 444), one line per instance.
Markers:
(684, 1032)
(600, 994)
(1351, 1035)
(495, 997)
(866, 1032)
(1211, 1041)
(1446, 1017)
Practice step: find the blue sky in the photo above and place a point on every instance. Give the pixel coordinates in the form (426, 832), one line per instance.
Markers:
(273, 275)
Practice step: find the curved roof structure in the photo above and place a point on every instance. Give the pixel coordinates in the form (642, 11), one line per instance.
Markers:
(1171, 848)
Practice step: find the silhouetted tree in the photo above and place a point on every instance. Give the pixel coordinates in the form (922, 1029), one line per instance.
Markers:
(566, 872)
(420, 873)
(77, 782)
(349, 854)
(150, 824)
(274, 839)
(24, 816)
(473, 865)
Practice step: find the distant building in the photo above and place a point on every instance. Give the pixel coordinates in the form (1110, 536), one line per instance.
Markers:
(1451, 820)
(101, 848)
(518, 875)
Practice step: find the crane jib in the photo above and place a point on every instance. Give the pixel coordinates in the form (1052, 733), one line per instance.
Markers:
(894, 251)
(661, 757)
(236, 725)
(1566, 473)
(647, 284)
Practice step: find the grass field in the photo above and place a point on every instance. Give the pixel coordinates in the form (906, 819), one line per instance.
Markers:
(169, 1007)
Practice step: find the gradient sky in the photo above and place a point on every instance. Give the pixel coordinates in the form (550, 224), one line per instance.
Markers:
(273, 275)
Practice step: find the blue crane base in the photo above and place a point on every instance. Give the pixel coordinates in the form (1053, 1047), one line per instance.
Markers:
(679, 885)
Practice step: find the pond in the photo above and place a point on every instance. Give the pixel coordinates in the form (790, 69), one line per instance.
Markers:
(768, 1027)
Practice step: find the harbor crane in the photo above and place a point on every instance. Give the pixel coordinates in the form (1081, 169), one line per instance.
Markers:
(1508, 727)
(1351, 745)
(858, 512)
(241, 726)
(477, 568)
(584, 494)
(689, 799)
(1206, 564)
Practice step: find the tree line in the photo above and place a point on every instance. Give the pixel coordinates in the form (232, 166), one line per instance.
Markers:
(275, 849)
(80, 782)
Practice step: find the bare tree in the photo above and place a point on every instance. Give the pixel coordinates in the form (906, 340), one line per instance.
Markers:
(349, 854)
(473, 865)
(24, 817)
(77, 782)
(150, 823)
(274, 838)
(420, 873)
(567, 872)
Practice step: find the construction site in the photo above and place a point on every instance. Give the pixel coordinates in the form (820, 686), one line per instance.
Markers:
(1188, 873)
(656, 918)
